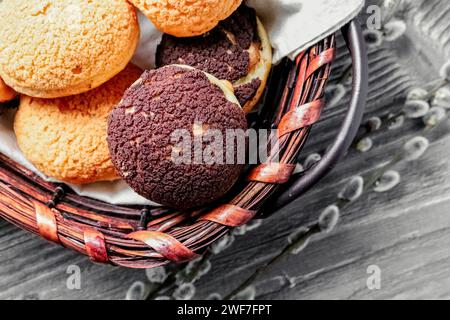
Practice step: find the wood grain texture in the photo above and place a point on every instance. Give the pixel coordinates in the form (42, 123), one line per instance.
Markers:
(405, 231)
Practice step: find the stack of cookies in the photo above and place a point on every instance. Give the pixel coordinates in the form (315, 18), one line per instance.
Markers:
(87, 114)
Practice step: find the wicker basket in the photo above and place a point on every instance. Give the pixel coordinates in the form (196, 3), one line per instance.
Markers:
(137, 237)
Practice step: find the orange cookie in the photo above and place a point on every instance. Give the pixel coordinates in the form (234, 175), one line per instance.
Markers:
(6, 93)
(186, 18)
(57, 48)
(65, 138)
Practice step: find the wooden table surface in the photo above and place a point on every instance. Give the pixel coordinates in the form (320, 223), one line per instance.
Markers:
(404, 231)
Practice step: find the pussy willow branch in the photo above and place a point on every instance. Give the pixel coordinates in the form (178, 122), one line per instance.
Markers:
(279, 257)
(170, 282)
(341, 204)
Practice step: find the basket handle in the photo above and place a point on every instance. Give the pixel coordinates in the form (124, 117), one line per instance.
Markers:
(355, 42)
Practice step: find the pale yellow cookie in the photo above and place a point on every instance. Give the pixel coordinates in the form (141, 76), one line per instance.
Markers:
(186, 18)
(65, 138)
(57, 48)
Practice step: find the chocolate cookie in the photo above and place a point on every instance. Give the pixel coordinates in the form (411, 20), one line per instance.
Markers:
(144, 134)
(237, 50)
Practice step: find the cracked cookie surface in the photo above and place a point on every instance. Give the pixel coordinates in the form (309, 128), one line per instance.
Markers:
(57, 48)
